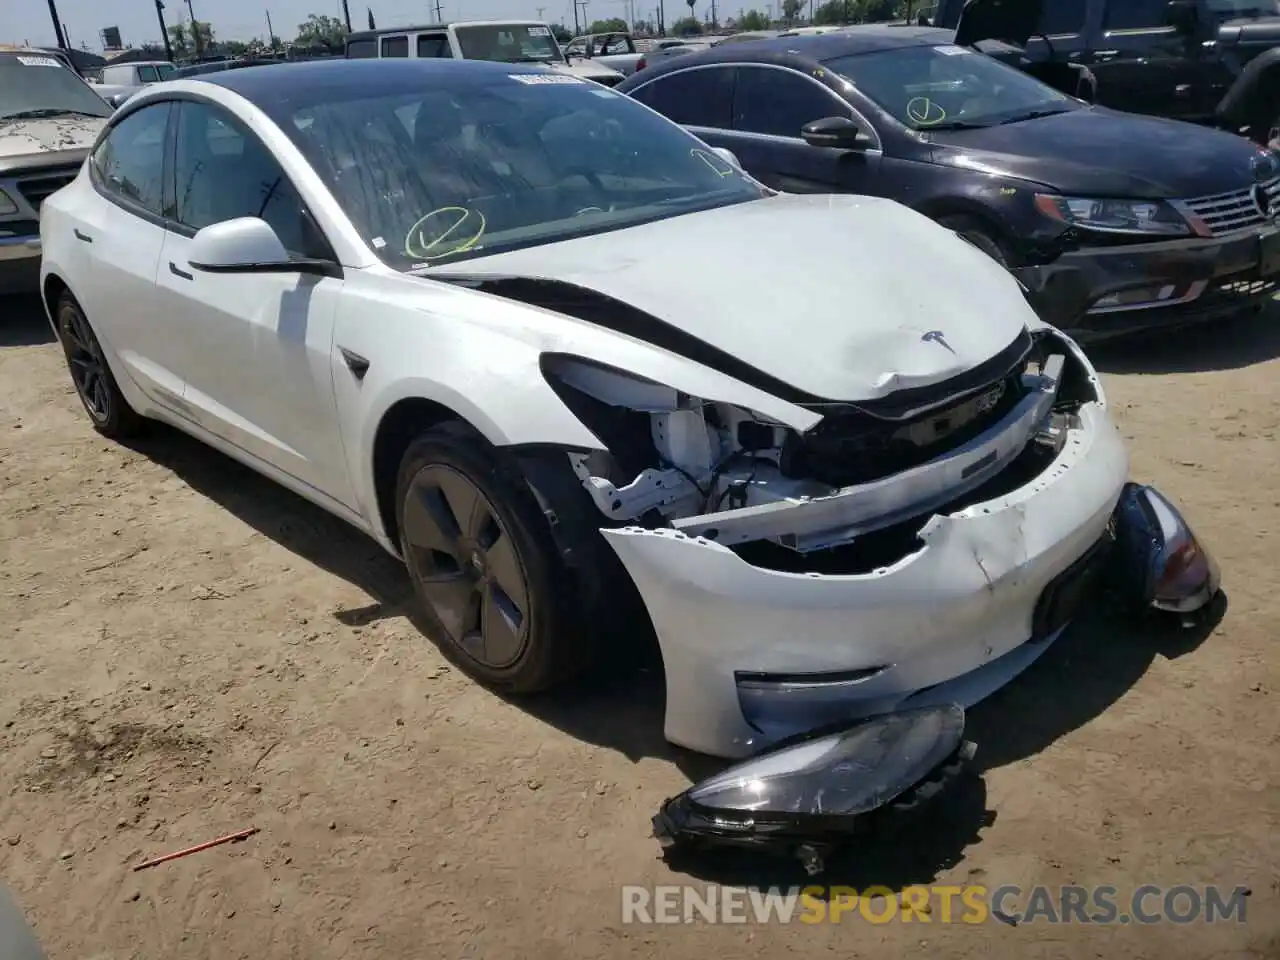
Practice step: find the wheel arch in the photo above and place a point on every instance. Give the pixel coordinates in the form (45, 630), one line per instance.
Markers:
(1253, 91)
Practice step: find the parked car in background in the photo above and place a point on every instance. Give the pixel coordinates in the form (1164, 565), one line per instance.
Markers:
(134, 74)
(583, 375)
(687, 46)
(49, 117)
(113, 94)
(1212, 62)
(618, 51)
(746, 35)
(504, 41)
(1113, 221)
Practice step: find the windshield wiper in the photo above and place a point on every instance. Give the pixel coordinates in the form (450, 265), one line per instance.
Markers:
(953, 125)
(1034, 115)
(46, 113)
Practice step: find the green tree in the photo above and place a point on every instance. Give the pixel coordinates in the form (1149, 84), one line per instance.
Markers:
(754, 20)
(791, 9)
(689, 26)
(612, 25)
(320, 30)
(178, 39)
(236, 48)
(833, 11)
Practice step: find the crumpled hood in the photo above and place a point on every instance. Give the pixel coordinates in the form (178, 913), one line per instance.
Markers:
(22, 138)
(842, 297)
(1090, 151)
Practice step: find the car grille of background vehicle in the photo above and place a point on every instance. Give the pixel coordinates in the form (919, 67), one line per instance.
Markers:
(1237, 210)
(35, 189)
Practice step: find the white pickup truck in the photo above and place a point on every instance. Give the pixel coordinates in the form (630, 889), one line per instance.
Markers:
(617, 50)
(506, 41)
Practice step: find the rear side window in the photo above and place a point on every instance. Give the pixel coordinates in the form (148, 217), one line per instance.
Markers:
(1135, 15)
(780, 102)
(1063, 16)
(702, 97)
(362, 49)
(434, 46)
(395, 46)
(148, 75)
(129, 163)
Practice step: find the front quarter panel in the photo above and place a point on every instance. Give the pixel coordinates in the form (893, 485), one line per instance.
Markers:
(479, 356)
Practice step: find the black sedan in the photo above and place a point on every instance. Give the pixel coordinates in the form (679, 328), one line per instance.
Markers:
(1112, 222)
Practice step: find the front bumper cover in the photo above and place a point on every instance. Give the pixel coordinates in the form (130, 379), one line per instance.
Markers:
(951, 619)
(1210, 279)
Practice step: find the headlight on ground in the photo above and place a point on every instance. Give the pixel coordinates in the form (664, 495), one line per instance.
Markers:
(1153, 217)
(1167, 567)
(806, 794)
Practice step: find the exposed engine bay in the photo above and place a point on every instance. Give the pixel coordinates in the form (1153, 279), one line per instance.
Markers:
(730, 475)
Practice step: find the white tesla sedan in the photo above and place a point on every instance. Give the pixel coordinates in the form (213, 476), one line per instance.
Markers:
(585, 376)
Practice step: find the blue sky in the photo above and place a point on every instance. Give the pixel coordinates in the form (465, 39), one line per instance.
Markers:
(28, 20)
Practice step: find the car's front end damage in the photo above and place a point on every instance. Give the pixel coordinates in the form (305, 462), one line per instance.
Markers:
(795, 579)
(896, 497)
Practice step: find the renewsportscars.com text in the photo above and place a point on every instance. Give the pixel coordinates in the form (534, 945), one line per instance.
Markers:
(969, 904)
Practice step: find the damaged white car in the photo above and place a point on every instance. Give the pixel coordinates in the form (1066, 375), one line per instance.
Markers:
(590, 380)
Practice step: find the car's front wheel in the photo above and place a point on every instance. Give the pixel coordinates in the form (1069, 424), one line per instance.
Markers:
(95, 385)
(484, 567)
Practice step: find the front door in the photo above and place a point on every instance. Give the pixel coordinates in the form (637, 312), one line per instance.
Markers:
(260, 373)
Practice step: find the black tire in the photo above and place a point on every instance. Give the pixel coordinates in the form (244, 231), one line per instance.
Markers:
(547, 644)
(977, 233)
(95, 385)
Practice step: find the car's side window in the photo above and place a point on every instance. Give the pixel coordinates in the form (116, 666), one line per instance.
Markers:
(1063, 17)
(780, 102)
(1135, 15)
(576, 48)
(700, 97)
(148, 75)
(129, 163)
(362, 50)
(433, 46)
(395, 46)
(221, 172)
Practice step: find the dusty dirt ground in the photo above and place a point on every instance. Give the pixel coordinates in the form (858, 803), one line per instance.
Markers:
(188, 650)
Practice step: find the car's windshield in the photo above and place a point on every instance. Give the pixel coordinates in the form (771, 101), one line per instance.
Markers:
(508, 42)
(434, 174)
(936, 88)
(1232, 9)
(37, 85)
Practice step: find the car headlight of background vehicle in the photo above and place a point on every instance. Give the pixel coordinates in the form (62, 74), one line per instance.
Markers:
(806, 794)
(7, 206)
(1141, 217)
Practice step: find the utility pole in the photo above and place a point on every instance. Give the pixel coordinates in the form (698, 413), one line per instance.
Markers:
(714, 22)
(164, 31)
(439, 12)
(346, 15)
(540, 10)
(57, 26)
(271, 31)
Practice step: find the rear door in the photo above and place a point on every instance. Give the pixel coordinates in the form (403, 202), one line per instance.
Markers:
(123, 229)
(1142, 63)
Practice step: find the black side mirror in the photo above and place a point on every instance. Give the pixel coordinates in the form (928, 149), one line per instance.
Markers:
(839, 132)
(1182, 14)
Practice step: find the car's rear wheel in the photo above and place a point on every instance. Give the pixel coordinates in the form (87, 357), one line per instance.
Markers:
(95, 385)
(484, 567)
(977, 233)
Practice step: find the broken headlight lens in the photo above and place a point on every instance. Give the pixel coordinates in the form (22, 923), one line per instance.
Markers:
(807, 792)
(1115, 216)
(1164, 562)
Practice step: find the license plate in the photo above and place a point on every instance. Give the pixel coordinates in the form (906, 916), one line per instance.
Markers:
(1269, 253)
(1067, 593)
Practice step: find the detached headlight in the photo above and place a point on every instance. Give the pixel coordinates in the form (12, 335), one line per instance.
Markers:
(1154, 217)
(1164, 564)
(7, 206)
(808, 793)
